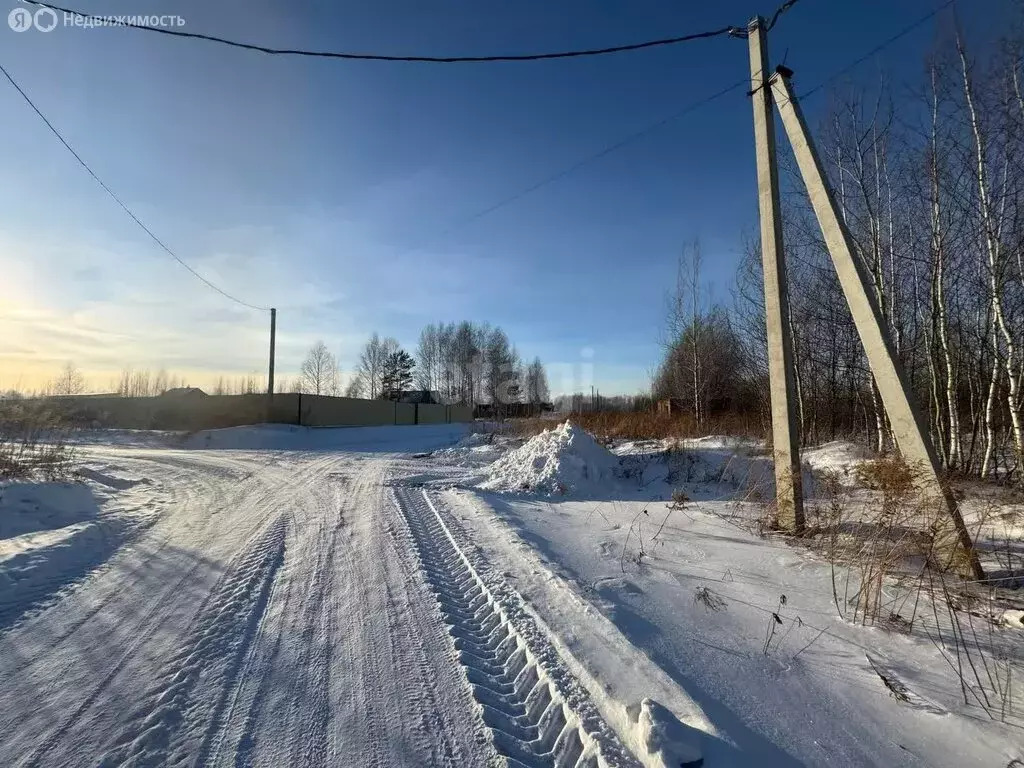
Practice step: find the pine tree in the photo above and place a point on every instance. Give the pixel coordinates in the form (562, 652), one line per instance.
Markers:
(397, 374)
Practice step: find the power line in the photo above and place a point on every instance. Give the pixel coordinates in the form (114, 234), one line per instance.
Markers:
(729, 30)
(902, 33)
(571, 54)
(779, 11)
(118, 200)
(607, 150)
(686, 110)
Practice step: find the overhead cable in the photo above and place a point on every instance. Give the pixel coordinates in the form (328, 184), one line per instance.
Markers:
(878, 48)
(118, 200)
(266, 49)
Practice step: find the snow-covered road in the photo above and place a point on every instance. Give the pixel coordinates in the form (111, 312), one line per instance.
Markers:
(272, 616)
(286, 607)
(293, 597)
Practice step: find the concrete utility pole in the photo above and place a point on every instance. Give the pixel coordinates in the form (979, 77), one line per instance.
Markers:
(785, 432)
(907, 424)
(273, 342)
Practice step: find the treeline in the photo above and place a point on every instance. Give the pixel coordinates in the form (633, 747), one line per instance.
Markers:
(464, 363)
(932, 191)
(135, 382)
(707, 369)
(595, 402)
(142, 382)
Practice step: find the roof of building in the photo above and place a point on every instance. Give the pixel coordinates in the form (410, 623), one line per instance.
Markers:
(184, 392)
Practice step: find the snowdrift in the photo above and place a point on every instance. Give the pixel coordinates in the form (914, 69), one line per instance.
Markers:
(474, 450)
(840, 457)
(560, 461)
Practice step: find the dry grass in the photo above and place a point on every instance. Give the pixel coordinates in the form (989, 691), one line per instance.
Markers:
(897, 564)
(891, 533)
(645, 425)
(712, 602)
(33, 442)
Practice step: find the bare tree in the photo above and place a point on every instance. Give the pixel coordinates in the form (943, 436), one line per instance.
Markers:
(161, 383)
(535, 383)
(428, 358)
(356, 386)
(69, 382)
(372, 363)
(992, 212)
(684, 372)
(500, 369)
(319, 371)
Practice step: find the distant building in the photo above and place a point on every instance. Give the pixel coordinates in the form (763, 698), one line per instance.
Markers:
(421, 396)
(184, 393)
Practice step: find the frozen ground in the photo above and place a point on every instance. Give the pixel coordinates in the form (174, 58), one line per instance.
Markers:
(282, 596)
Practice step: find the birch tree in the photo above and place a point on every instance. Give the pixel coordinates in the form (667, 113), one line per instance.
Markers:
(319, 371)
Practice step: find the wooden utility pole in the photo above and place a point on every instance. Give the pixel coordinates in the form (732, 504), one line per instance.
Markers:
(785, 425)
(273, 342)
(907, 424)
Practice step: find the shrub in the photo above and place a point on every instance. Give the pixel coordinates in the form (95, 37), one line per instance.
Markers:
(33, 441)
(647, 425)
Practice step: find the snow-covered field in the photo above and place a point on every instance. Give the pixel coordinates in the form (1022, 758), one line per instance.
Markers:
(414, 596)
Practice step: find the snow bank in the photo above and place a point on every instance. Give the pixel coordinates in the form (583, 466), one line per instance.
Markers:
(29, 507)
(1012, 618)
(667, 742)
(840, 457)
(107, 477)
(129, 438)
(287, 437)
(474, 450)
(53, 534)
(561, 460)
(730, 443)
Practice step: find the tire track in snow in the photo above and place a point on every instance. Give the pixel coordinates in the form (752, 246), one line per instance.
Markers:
(304, 618)
(310, 708)
(190, 495)
(217, 732)
(215, 649)
(194, 484)
(118, 534)
(375, 723)
(538, 713)
(217, 507)
(444, 751)
(399, 701)
(148, 629)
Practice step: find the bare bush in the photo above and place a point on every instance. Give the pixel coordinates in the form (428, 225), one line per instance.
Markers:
(34, 442)
(712, 602)
(897, 564)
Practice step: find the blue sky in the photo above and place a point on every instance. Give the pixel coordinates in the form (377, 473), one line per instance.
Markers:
(344, 192)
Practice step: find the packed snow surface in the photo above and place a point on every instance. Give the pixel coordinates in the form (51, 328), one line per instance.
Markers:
(300, 597)
(561, 461)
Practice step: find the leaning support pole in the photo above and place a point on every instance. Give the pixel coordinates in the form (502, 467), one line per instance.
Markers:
(785, 442)
(907, 424)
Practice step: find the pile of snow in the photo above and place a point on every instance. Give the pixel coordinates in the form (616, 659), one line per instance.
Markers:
(1012, 618)
(558, 461)
(666, 742)
(839, 457)
(473, 450)
(728, 443)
